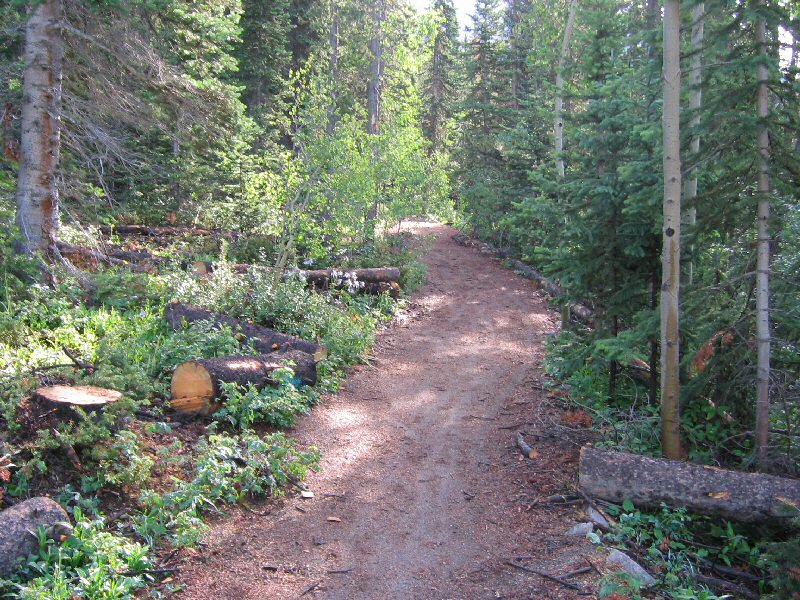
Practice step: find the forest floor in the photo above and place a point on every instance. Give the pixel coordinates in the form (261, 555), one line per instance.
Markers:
(422, 491)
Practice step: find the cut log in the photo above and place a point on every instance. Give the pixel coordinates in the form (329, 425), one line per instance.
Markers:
(92, 258)
(65, 399)
(20, 525)
(264, 340)
(195, 384)
(372, 281)
(526, 450)
(647, 482)
(160, 231)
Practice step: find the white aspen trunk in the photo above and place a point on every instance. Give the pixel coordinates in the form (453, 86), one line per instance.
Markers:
(374, 93)
(37, 183)
(695, 103)
(333, 68)
(558, 126)
(763, 261)
(671, 254)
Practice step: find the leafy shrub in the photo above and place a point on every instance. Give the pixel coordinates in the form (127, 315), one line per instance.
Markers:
(278, 406)
(121, 463)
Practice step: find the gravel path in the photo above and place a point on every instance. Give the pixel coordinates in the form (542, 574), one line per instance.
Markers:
(422, 493)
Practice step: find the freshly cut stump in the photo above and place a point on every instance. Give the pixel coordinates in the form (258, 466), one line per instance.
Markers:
(65, 398)
(195, 384)
(20, 524)
(264, 340)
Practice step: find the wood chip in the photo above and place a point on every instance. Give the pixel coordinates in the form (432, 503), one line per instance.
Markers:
(334, 519)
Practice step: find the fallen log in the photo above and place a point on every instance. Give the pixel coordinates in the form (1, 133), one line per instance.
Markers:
(92, 258)
(367, 281)
(647, 482)
(159, 231)
(65, 398)
(20, 525)
(196, 384)
(263, 339)
(524, 448)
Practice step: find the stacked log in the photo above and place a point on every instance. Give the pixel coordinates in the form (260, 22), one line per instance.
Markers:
(196, 384)
(647, 482)
(263, 339)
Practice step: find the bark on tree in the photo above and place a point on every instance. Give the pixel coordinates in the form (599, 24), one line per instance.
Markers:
(647, 482)
(671, 253)
(37, 195)
(558, 126)
(695, 104)
(21, 523)
(763, 260)
(374, 94)
(333, 68)
(263, 339)
(196, 384)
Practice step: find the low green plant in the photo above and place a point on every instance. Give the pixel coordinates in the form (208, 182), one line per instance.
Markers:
(278, 406)
(121, 463)
(228, 468)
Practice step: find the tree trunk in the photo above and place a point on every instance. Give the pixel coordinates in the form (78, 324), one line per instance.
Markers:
(374, 98)
(196, 384)
(647, 482)
(37, 182)
(559, 119)
(695, 104)
(763, 261)
(263, 339)
(20, 525)
(671, 254)
(333, 68)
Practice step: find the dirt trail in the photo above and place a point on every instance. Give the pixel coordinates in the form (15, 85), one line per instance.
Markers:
(432, 496)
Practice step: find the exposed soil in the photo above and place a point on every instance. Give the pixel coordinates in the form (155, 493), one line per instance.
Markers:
(422, 492)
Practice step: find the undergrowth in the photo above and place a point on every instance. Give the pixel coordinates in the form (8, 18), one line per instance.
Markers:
(112, 334)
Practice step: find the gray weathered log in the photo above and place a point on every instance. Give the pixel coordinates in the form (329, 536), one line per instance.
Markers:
(264, 340)
(647, 482)
(20, 524)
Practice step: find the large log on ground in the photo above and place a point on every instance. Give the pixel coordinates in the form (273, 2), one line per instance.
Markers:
(370, 281)
(195, 384)
(160, 231)
(264, 340)
(92, 258)
(20, 524)
(647, 482)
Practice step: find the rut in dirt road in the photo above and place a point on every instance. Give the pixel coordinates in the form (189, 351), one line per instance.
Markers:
(421, 493)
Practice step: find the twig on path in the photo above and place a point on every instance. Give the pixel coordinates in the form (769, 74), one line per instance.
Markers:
(594, 505)
(310, 589)
(571, 586)
(526, 450)
(339, 571)
(481, 418)
(514, 426)
(576, 572)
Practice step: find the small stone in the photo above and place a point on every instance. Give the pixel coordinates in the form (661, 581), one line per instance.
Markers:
(598, 519)
(631, 567)
(581, 530)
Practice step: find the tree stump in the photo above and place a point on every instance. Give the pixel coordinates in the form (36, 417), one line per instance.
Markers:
(65, 399)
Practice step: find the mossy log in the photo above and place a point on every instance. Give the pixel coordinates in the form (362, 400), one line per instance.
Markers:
(196, 384)
(20, 525)
(263, 339)
(647, 482)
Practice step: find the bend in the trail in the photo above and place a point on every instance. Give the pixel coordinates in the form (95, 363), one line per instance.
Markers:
(422, 493)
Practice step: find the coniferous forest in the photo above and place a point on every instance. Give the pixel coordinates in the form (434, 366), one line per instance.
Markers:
(187, 186)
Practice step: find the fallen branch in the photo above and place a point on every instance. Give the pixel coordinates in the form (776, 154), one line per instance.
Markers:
(526, 450)
(558, 580)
